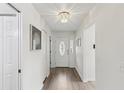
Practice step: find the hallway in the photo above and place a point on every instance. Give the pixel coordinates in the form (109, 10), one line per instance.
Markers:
(61, 46)
(62, 78)
(45, 43)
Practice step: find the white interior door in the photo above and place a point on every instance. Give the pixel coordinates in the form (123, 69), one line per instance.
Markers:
(9, 40)
(89, 53)
(1, 49)
(61, 54)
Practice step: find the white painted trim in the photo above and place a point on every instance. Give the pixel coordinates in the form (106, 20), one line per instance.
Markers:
(20, 46)
(71, 66)
(20, 50)
(81, 76)
(2, 56)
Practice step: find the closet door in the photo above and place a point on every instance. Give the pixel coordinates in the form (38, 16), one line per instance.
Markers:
(1, 49)
(89, 53)
(10, 50)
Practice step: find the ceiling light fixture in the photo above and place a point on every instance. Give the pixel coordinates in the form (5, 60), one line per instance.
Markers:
(64, 16)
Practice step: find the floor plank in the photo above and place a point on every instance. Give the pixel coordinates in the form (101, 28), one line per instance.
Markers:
(66, 79)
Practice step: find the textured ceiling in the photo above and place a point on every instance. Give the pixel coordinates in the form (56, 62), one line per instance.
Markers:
(49, 11)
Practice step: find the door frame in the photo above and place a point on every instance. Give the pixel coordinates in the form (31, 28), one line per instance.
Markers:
(50, 51)
(20, 44)
(20, 50)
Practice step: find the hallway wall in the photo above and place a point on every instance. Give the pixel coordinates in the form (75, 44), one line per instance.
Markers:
(34, 66)
(108, 20)
(85, 54)
(110, 47)
(79, 54)
(4, 8)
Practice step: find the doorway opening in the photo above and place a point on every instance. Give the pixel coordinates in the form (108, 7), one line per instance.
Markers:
(74, 56)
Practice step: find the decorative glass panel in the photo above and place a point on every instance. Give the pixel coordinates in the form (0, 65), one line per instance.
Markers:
(71, 46)
(62, 48)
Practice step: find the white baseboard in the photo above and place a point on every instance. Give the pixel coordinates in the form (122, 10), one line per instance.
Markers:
(81, 76)
(71, 66)
(42, 87)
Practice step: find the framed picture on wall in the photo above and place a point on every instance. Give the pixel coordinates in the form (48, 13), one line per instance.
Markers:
(35, 38)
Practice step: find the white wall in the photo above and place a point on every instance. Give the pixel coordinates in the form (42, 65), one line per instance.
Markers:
(109, 20)
(69, 36)
(85, 54)
(6, 9)
(110, 47)
(33, 62)
(79, 54)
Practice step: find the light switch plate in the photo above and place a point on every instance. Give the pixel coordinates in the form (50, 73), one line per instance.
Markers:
(122, 67)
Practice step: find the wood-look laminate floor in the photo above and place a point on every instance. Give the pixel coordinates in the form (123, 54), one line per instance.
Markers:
(66, 79)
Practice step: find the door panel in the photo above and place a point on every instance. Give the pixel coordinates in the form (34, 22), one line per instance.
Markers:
(89, 53)
(10, 76)
(1, 48)
(62, 51)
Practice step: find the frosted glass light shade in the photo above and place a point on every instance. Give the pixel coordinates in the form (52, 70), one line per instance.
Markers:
(64, 16)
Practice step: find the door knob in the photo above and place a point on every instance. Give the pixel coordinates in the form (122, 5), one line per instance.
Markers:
(94, 46)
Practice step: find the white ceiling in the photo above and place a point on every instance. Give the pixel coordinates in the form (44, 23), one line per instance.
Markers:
(49, 11)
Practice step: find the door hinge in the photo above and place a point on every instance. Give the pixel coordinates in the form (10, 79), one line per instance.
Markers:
(19, 70)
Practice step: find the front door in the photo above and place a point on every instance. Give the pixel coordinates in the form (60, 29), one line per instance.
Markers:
(62, 52)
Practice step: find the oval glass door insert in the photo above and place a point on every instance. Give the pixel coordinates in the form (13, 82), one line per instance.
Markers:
(62, 48)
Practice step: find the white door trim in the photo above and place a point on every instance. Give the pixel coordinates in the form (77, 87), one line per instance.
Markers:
(20, 44)
(20, 50)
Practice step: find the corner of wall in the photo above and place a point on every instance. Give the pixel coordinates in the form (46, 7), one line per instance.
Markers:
(81, 76)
